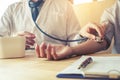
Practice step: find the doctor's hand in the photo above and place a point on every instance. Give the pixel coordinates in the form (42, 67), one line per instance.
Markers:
(91, 30)
(29, 38)
(53, 52)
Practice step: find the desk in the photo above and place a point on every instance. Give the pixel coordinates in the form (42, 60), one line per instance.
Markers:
(32, 68)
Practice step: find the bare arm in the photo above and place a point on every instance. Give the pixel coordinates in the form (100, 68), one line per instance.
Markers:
(90, 46)
(53, 52)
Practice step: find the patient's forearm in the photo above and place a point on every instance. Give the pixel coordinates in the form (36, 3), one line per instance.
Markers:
(90, 46)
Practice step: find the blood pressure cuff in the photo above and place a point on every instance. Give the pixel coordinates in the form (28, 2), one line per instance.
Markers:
(79, 39)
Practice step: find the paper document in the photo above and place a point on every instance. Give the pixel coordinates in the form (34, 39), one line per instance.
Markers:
(101, 67)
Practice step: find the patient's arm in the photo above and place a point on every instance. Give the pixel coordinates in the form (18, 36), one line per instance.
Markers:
(57, 52)
(89, 46)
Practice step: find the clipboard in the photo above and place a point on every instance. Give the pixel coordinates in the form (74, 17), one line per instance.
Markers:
(100, 68)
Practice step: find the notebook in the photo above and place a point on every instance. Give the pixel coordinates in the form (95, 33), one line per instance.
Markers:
(100, 67)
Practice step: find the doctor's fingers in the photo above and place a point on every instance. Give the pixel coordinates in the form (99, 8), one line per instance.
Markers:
(27, 47)
(104, 27)
(29, 38)
(90, 30)
(27, 35)
(98, 28)
(85, 32)
(30, 42)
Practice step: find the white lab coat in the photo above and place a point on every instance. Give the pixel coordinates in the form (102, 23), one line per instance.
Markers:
(56, 17)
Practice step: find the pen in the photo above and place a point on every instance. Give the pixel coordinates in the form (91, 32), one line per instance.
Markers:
(85, 62)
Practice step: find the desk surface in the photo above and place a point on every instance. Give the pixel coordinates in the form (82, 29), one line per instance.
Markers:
(32, 68)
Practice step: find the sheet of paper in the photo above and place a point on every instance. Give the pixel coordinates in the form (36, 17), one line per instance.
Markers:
(104, 66)
(100, 65)
(73, 68)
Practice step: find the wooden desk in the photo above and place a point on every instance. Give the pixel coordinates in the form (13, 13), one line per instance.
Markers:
(32, 68)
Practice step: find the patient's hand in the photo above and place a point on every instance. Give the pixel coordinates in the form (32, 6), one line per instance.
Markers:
(53, 52)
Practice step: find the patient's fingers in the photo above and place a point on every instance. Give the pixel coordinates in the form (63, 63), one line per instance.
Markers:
(48, 52)
(53, 53)
(42, 50)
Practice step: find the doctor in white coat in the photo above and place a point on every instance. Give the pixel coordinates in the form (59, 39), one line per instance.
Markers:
(56, 17)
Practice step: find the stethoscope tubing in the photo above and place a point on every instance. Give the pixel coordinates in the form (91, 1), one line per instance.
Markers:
(58, 39)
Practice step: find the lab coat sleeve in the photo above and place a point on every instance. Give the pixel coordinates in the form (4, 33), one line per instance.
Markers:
(73, 26)
(6, 22)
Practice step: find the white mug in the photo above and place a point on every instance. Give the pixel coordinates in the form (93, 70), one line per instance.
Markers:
(12, 47)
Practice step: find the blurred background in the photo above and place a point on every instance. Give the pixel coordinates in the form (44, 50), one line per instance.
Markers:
(4, 4)
(90, 10)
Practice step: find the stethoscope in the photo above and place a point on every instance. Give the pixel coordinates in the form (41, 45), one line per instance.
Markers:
(58, 39)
